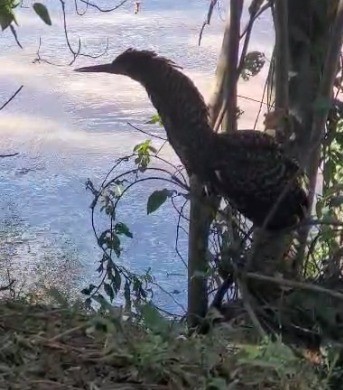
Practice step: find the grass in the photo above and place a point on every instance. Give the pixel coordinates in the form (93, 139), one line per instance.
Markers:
(67, 348)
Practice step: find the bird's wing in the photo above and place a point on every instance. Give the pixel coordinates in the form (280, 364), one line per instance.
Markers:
(249, 149)
(252, 162)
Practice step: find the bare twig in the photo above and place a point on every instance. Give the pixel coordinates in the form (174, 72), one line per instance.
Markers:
(80, 13)
(280, 14)
(90, 4)
(261, 104)
(230, 77)
(15, 35)
(40, 59)
(255, 12)
(8, 287)
(178, 228)
(12, 97)
(295, 284)
(75, 53)
(207, 20)
(221, 291)
(8, 155)
(146, 132)
(248, 307)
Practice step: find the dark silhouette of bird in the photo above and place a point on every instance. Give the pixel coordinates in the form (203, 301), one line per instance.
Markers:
(247, 167)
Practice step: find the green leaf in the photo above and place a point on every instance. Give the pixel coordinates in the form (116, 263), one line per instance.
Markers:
(114, 243)
(111, 241)
(153, 320)
(109, 291)
(336, 201)
(127, 295)
(88, 303)
(217, 384)
(143, 146)
(88, 290)
(6, 18)
(121, 228)
(6, 13)
(157, 198)
(155, 119)
(199, 275)
(42, 12)
(116, 280)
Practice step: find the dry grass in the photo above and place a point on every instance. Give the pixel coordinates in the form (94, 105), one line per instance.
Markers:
(42, 347)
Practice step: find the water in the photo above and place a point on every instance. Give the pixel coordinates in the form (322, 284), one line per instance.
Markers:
(68, 127)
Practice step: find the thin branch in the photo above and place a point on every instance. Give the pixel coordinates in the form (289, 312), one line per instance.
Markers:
(178, 228)
(12, 97)
(261, 104)
(80, 13)
(328, 79)
(170, 296)
(228, 82)
(255, 13)
(280, 14)
(8, 155)
(248, 307)
(162, 146)
(295, 284)
(88, 3)
(221, 291)
(40, 59)
(15, 35)
(146, 132)
(75, 53)
(8, 287)
(207, 20)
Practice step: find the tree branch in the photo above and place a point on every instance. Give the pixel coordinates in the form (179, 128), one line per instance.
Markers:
(88, 3)
(12, 97)
(8, 155)
(281, 54)
(207, 20)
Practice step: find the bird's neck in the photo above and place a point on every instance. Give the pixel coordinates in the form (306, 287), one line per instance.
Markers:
(182, 109)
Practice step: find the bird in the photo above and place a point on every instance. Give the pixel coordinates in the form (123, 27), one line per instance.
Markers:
(246, 167)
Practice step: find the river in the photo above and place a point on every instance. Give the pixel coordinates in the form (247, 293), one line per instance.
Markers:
(69, 127)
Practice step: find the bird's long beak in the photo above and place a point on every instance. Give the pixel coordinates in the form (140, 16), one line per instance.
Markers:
(104, 68)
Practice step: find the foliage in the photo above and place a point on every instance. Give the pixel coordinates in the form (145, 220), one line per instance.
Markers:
(157, 198)
(143, 151)
(327, 240)
(252, 64)
(8, 18)
(115, 278)
(129, 355)
(42, 12)
(7, 13)
(155, 119)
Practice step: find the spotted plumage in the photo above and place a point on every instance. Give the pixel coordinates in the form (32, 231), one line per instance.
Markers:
(247, 167)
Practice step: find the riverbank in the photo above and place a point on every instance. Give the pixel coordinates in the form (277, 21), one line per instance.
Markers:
(63, 347)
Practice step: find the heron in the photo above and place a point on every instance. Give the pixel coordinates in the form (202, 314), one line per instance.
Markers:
(248, 167)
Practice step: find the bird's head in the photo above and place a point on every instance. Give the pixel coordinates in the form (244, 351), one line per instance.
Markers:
(133, 63)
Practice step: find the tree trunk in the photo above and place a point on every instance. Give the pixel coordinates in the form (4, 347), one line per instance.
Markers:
(201, 214)
(302, 36)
